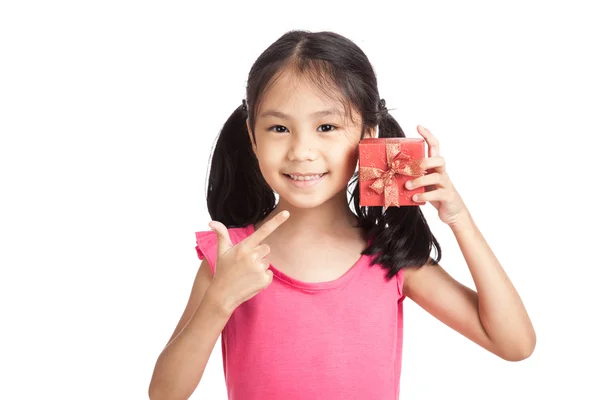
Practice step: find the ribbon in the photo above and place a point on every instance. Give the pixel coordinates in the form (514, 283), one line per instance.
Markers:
(398, 163)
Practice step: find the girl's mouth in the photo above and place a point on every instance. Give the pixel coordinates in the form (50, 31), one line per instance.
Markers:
(305, 181)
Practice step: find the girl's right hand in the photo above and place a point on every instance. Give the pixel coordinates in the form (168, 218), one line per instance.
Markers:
(242, 271)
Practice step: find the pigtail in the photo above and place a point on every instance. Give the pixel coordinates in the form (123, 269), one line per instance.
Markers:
(237, 194)
(401, 235)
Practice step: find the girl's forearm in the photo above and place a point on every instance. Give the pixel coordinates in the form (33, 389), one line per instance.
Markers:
(181, 364)
(501, 310)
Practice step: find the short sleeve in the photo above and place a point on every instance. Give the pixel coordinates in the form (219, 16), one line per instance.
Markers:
(207, 243)
(400, 282)
(206, 247)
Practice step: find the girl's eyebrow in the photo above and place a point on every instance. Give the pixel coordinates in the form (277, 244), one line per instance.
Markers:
(281, 115)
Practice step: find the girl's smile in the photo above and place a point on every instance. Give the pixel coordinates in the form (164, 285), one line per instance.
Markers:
(305, 180)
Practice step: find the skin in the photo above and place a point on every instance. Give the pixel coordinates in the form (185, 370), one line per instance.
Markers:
(492, 316)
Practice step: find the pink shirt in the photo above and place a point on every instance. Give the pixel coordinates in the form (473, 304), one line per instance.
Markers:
(298, 340)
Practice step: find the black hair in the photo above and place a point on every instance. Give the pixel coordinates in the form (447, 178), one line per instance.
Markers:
(238, 195)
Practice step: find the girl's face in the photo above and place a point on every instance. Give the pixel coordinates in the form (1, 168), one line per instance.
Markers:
(301, 132)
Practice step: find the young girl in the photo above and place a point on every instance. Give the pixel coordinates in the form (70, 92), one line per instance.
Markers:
(306, 291)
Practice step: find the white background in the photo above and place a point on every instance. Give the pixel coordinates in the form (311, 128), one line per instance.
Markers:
(108, 111)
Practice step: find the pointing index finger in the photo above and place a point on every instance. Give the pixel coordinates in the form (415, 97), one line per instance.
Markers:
(264, 231)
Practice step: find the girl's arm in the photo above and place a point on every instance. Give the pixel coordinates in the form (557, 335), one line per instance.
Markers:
(494, 317)
(181, 364)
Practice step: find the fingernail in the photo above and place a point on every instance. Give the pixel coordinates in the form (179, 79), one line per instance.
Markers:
(408, 185)
(286, 214)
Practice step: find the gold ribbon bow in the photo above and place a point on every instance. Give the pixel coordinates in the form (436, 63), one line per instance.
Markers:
(398, 164)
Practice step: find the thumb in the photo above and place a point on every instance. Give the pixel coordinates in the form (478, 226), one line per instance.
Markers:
(222, 236)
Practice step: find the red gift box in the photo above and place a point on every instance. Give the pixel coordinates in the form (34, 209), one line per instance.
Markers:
(385, 165)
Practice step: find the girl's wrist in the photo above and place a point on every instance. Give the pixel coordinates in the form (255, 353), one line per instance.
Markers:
(462, 222)
(219, 301)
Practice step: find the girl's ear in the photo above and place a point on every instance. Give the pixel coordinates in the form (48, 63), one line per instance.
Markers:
(250, 136)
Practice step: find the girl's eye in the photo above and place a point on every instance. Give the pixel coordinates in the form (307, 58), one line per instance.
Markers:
(332, 127)
(277, 126)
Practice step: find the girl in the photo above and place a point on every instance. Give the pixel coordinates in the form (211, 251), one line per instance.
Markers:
(306, 291)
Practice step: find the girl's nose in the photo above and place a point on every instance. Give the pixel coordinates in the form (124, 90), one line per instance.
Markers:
(301, 149)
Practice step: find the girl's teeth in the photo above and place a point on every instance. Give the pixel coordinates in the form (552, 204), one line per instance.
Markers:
(305, 178)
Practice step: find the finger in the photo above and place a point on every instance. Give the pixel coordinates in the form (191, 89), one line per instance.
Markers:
(432, 142)
(431, 179)
(265, 263)
(264, 231)
(434, 195)
(222, 236)
(269, 276)
(262, 251)
(436, 162)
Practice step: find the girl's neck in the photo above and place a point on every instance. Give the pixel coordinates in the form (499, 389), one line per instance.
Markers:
(329, 219)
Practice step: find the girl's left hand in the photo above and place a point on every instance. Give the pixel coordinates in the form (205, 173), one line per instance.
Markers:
(439, 190)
